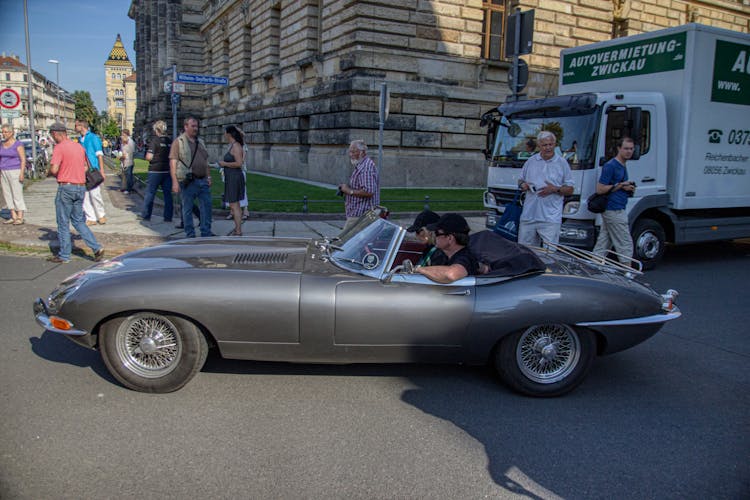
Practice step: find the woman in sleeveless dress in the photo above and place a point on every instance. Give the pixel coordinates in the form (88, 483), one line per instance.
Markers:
(234, 177)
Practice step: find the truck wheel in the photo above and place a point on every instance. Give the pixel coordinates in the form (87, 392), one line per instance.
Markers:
(648, 242)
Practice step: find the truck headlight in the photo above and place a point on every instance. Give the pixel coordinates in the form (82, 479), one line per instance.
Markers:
(572, 207)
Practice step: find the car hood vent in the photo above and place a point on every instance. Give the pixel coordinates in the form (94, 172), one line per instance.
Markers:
(261, 258)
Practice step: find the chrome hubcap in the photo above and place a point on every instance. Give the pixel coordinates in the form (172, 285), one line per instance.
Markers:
(548, 353)
(149, 345)
(648, 245)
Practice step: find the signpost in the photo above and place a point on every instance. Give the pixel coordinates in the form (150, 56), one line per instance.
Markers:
(175, 84)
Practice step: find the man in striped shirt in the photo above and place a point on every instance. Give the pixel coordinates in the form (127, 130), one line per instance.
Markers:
(363, 190)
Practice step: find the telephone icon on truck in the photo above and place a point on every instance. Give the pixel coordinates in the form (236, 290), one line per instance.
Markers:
(714, 136)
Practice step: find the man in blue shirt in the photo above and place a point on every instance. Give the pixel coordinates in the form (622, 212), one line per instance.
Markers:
(614, 180)
(93, 204)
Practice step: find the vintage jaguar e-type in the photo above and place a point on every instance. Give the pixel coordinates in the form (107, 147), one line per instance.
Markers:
(539, 317)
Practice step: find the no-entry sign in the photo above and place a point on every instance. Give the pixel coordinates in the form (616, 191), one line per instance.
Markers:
(9, 98)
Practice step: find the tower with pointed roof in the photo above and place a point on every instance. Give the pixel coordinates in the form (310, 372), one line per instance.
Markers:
(117, 70)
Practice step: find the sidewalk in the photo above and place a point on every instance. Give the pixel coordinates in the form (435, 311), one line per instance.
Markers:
(123, 232)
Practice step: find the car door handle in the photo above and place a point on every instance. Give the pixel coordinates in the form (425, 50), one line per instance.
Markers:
(648, 179)
(463, 293)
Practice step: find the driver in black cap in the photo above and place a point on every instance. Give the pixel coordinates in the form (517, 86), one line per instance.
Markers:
(452, 237)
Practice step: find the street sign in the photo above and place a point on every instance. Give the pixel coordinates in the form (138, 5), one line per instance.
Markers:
(167, 71)
(168, 87)
(10, 113)
(523, 77)
(519, 29)
(178, 88)
(202, 79)
(9, 98)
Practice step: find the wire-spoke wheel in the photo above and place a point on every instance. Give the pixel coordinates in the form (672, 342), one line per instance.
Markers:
(545, 360)
(152, 352)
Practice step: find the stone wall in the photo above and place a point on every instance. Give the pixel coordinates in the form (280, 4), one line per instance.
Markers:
(305, 75)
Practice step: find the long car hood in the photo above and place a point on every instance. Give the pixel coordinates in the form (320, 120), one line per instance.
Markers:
(282, 254)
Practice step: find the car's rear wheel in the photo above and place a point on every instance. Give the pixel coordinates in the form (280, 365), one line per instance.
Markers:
(545, 360)
(151, 352)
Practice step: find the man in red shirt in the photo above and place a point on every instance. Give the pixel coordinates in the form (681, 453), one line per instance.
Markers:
(68, 164)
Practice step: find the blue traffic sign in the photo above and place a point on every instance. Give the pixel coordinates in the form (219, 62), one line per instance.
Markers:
(202, 79)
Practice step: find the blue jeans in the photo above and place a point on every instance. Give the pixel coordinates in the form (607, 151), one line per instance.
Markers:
(127, 178)
(199, 189)
(155, 180)
(69, 210)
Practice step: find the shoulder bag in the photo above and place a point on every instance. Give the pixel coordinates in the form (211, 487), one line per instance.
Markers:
(507, 226)
(94, 177)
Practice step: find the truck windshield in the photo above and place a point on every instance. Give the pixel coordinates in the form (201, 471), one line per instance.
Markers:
(516, 139)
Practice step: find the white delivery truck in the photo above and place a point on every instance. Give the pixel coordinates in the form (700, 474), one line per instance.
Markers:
(683, 95)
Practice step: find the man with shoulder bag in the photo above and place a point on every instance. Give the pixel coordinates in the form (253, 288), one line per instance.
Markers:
(93, 203)
(188, 162)
(613, 181)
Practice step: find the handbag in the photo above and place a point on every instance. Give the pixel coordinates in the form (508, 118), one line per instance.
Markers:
(93, 177)
(597, 203)
(507, 226)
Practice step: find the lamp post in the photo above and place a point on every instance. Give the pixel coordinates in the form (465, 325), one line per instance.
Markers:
(57, 67)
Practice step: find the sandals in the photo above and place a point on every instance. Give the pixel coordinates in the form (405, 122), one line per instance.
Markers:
(18, 222)
(234, 232)
(9, 221)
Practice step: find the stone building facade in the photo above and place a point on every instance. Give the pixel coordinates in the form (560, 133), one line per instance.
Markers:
(304, 76)
(119, 82)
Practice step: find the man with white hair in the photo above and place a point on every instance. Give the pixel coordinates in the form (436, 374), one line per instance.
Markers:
(546, 179)
(363, 190)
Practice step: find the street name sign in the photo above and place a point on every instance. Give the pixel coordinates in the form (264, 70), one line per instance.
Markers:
(202, 79)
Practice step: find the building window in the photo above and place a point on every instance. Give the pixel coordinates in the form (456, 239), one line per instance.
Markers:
(493, 29)
(7, 77)
(275, 34)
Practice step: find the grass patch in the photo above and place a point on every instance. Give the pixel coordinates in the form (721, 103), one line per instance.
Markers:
(270, 194)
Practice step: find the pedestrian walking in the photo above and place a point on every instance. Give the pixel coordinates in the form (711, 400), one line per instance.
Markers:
(362, 192)
(12, 174)
(157, 155)
(68, 165)
(93, 204)
(615, 229)
(188, 160)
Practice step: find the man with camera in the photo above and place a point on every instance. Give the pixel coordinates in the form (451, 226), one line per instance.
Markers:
(614, 180)
(188, 166)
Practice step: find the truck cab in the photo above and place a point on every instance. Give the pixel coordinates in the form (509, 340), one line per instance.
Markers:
(587, 127)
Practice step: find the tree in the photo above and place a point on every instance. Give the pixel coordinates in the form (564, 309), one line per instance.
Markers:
(108, 126)
(85, 109)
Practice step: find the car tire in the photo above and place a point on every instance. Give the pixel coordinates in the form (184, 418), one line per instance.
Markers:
(649, 242)
(151, 352)
(545, 360)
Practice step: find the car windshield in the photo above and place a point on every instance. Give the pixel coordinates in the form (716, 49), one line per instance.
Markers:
(367, 250)
(516, 139)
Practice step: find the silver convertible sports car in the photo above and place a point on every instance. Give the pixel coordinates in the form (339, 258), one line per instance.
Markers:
(539, 317)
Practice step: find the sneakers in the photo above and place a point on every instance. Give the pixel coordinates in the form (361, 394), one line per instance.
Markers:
(57, 260)
(99, 254)
(91, 223)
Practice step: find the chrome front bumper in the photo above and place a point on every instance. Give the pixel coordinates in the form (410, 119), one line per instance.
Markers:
(43, 318)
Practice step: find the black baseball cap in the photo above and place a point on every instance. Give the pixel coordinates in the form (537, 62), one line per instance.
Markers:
(451, 224)
(424, 218)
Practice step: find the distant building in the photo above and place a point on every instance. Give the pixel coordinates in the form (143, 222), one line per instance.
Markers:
(119, 79)
(50, 102)
(304, 75)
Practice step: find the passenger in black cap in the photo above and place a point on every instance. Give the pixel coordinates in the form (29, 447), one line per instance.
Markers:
(432, 255)
(452, 237)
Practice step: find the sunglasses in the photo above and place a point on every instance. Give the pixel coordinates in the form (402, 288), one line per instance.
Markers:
(441, 233)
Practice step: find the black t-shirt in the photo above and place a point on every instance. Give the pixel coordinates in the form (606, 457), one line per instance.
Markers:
(159, 147)
(465, 258)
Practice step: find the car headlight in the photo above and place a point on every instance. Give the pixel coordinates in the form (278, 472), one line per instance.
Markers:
(67, 288)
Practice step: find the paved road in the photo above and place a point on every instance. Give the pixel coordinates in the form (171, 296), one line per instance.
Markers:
(667, 419)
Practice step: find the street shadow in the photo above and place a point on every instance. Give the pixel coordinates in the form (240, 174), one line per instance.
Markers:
(53, 347)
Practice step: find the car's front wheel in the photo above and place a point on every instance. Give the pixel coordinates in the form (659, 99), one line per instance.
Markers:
(151, 352)
(545, 360)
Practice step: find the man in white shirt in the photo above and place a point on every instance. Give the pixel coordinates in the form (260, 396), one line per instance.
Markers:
(546, 179)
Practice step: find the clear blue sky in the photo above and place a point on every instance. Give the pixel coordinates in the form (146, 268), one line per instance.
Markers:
(78, 33)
